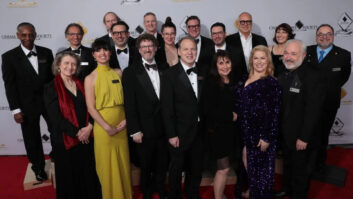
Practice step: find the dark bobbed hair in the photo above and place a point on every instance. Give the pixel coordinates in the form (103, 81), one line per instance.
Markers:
(99, 44)
(74, 25)
(220, 54)
(168, 24)
(146, 37)
(286, 27)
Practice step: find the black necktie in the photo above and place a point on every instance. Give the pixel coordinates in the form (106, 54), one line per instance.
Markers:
(197, 41)
(193, 69)
(31, 53)
(152, 66)
(120, 51)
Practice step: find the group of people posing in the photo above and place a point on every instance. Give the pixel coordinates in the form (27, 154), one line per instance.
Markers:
(163, 105)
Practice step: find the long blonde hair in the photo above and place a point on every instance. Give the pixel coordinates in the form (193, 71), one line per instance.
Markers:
(269, 68)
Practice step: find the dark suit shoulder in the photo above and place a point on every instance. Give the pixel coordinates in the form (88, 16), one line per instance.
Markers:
(44, 49)
(12, 51)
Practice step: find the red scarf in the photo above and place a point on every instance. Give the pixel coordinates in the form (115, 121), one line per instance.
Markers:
(67, 107)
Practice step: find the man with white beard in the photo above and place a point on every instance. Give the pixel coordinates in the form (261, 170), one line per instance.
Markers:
(300, 111)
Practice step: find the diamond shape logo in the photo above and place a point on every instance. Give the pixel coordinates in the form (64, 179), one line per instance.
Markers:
(45, 137)
(345, 21)
(299, 24)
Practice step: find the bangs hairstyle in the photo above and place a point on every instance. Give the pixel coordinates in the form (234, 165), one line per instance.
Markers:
(220, 54)
(286, 28)
(269, 68)
(59, 57)
(99, 44)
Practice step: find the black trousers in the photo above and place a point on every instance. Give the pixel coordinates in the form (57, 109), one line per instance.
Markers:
(153, 158)
(191, 160)
(33, 140)
(297, 169)
(328, 117)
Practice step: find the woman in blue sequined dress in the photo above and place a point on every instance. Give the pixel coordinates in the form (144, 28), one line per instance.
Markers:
(257, 106)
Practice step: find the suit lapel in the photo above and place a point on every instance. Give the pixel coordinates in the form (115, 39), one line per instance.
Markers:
(184, 79)
(145, 81)
(25, 63)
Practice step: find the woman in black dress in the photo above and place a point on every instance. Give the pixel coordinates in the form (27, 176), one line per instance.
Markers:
(219, 117)
(283, 33)
(72, 140)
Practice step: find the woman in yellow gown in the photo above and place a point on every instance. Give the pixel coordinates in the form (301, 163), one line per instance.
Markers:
(104, 98)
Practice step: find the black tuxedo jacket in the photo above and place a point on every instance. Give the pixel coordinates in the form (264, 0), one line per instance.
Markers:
(23, 86)
(334, 70)
(234, 41)
(205, 57)
(142, 106)
(87, 63)
(180, 107)
(302, 101)
(133, 54)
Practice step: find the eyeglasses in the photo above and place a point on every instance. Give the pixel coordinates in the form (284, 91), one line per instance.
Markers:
(147, 47)
(74, 34)
(247, 22)
(193, 26)
(119, 33)
(169, 34)
(321, 35)
(217, 33)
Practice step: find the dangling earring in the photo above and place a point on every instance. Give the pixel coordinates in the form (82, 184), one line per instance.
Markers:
(59, 70)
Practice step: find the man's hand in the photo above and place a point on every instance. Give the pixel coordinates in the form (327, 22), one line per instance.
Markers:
(174, 141)
(18, 117)
(137, 137)
(301, 145)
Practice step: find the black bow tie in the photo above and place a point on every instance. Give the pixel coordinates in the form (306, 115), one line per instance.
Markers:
(120, 51)
(193, 69)
(197, 41)
(31, 53)
(152, 66)
(77, 51)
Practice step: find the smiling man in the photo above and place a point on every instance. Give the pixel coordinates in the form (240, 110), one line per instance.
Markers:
(300, 112)
(25, 70)
(245, 40)
(74, 34)
(334, 65)
(150, 23)
(142, 84)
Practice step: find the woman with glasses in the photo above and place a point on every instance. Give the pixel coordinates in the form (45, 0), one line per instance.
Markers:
(169, 52)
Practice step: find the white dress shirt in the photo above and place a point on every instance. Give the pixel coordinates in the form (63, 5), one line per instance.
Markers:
(247, 47)
(220, 48)
(154, 76)
(123, 58)
(192, 77)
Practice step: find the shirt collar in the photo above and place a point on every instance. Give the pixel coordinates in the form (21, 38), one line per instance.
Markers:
(76, 48)
(145, 62)
(221, 48)
(26, 51)
(185, 67)
(327, 50)
(242, 36)
(126, 46)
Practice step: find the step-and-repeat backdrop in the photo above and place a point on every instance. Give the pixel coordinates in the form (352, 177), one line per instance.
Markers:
(50, 18)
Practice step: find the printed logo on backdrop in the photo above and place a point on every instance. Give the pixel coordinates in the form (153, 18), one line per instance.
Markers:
(4, 108)
(22, 4)
(298, 26)
(85, 41)
(337, 127)
(39, 36)
(3, 146)
(123, 2)
(344, 22)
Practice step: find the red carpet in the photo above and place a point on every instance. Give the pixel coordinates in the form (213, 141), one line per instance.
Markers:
(12, 172)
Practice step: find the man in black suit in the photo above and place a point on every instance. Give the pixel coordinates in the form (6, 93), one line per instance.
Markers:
(300, 111)
(150, 23)
(245, 40)
(25, 70)
(124, 50)
(334, 66)
(204, 45)
(74, 34)
(109, 19)
(218, 34)
(141, 82)
(180, 96)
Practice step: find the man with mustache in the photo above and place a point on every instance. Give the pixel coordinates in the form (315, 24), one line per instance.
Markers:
(334, 65)
(300, 110)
